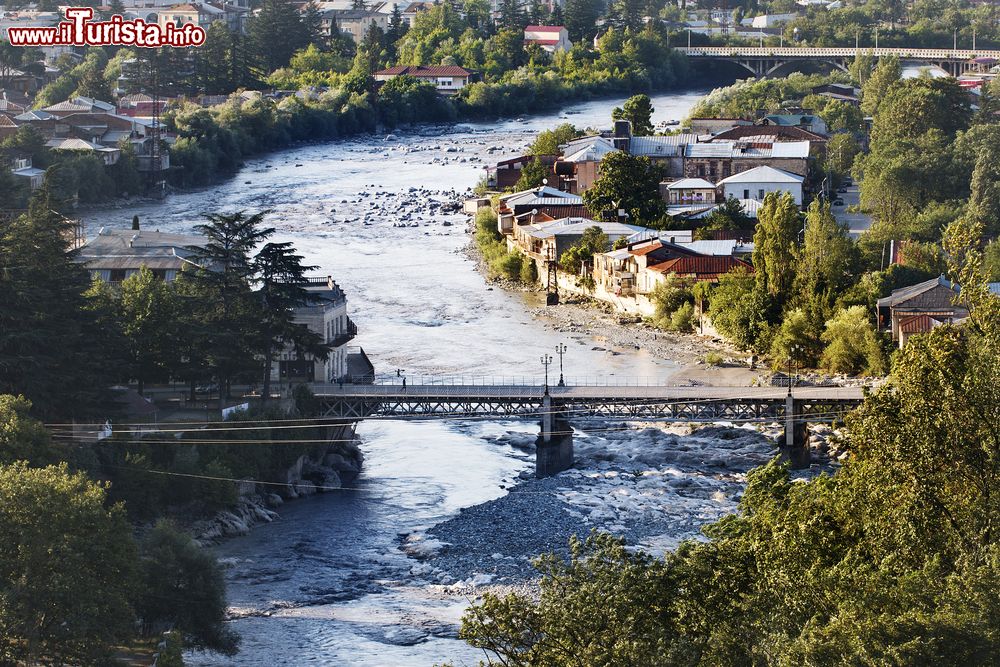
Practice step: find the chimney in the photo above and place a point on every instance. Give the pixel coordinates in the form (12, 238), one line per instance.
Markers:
(623, 135)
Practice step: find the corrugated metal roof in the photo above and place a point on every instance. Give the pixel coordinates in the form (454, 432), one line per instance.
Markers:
(720, 150)
(691, 184)
(763, 174)
(667, 146)
(426, 70)
(918, 324)
(700, 266)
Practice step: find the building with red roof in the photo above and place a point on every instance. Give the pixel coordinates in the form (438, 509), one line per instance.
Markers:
(551, 38)
(448, 79)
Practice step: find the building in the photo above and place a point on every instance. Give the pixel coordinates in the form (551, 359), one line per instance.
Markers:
(688, 191)
(447, 79)
(715, 125)
(580, 164)
(414, 8)
(507, 173)
(758, 182)
(717, 160)
(523, 207)
(770, 134)
(22, 168)
(115, 254)
(806, 121)
(326, 316)
(919, 308)
(551, 38)
(353, 22)
(547, 241)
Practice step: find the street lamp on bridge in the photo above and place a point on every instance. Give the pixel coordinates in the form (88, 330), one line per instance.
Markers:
(546, 360)
(792, 352)
(561, 350)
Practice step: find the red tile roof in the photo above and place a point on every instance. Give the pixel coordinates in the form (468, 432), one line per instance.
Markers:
(425, 70)
(702, 267)
(7, 122)
(646, 248)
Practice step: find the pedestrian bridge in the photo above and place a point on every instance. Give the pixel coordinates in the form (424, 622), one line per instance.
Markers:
(553, 406)
(765, 61)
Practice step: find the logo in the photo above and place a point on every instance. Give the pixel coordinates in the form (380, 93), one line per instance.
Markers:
(79, 30)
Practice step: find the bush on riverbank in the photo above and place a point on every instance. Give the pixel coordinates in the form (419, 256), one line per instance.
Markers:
(501, 262)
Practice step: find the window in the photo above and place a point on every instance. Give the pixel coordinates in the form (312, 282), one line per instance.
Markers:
(746, 194)
(760, 194)
(116, 275)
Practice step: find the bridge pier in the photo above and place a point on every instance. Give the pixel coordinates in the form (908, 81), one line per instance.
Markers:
(796, 447)
(554, 447)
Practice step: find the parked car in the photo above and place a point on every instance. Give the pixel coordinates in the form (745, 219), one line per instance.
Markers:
(210, 388)
(841, 190)
(838, 202)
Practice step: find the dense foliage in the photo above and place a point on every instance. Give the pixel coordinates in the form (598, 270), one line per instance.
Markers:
(891, 560)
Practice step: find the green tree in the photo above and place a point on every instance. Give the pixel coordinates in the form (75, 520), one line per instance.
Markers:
(853, 346)
(638, 110)
(548, 141)
(281, 278)
(183, 586)
(775, 244)
(532, 175)
(887, 74)
(149, 313)
(827, 264)
(740, 311)
(729, 216)
(21, 437)
(275, 32)
(231, 312)
(592, 242)
(581, 18)
(67, 566)
(627, 182)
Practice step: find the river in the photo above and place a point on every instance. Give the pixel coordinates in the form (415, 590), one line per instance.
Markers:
(327, 584)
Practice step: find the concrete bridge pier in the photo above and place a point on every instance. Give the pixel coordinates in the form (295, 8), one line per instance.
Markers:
(554, 447)
(795, 448)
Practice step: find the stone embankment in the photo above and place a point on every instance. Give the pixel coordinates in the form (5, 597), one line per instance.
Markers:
(338, 464)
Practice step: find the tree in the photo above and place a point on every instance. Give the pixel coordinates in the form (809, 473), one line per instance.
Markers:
(223, 288)
(886, 75)
(52, 349)
(728, 216)
(592, 242)
(532, 175)
(840, 153)
(775, 244)
(581, 18)
(740, 311)
(827, 264)
(183, 586)
(21, 437)
(853, 346)
(548, 141)
(66, 568)
(281, 278)
(626, 182)
(149, 316)
(275, 32)
(638, 110)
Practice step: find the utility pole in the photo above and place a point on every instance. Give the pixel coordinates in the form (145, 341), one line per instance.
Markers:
(546, 360)
(561, 350)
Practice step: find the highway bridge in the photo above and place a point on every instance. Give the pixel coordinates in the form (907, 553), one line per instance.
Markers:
(765, 61)
(553, 406)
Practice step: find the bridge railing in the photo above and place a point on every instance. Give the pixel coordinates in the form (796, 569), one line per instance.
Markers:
(528, 380)
(833, 52)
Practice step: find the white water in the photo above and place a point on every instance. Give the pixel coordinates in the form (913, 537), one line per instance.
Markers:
(327, 584)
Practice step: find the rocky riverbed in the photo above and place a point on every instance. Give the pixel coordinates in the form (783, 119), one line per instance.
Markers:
(652, 484)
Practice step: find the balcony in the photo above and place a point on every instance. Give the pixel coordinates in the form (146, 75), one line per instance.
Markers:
(344, 336)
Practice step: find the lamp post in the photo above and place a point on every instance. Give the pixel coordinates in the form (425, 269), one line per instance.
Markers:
(561, 350)
(546, 360)
(792, 352)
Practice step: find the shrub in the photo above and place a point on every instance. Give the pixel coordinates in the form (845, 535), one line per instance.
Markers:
(712, 359)
(683, 319)
(853, 346)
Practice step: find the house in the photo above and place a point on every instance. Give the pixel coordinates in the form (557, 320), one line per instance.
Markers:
(115, 254)
(919, 308)
(806, 121)
(580, 164)
(666, 152)
(697, 268)
(326, 316)
(770, 134)
(839, 91)
(689, 191)
(10, 108)
(108, 155)
(771, 20)
(413, 9)
(551, 38)
(22, 168)
(544, 200)
(447, 79)
(199, 14)
(547, 241)
(717, 160)
(756, 183)
(507, 173)
(8, 127)
(353, 22)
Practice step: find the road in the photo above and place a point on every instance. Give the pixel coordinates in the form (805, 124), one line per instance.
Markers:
(856, 222)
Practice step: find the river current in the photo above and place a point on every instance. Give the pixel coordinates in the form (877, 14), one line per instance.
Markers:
(327, 584)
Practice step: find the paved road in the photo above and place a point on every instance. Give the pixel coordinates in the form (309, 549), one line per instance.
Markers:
(856, 222)
(624, 392)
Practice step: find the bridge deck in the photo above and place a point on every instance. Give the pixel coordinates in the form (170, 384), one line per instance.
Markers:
(832, 52)
(651, 402)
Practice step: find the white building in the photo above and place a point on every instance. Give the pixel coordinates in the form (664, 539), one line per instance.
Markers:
(551, 38)
(327, 317)
(756, 183)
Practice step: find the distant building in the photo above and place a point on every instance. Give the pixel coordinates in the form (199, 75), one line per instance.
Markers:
(551, 38)
(547, 241)
(115, 254)
(715, 125)
(806, 121)
(720, 159)
(447, 79)
(22, 168)
(507, 173)
(758, 182)
(691, 191)
(353, 22)
(919, 308)
(414, 8)
(525, 206)
(327, 316)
